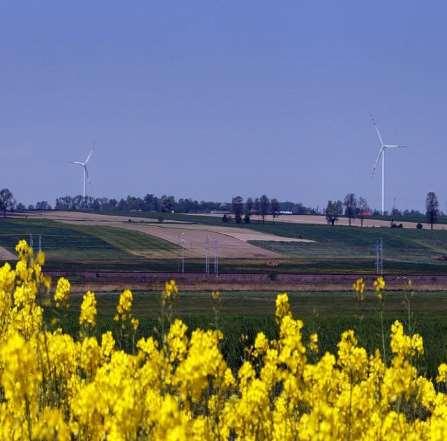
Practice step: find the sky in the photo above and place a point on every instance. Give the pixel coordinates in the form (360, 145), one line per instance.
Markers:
(211, 99)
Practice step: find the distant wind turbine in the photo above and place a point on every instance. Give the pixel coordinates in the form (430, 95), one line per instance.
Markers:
(85, 169)
(383, 147)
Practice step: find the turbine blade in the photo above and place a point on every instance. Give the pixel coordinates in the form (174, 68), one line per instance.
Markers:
(86, 173)
(377, 161)
(89, 156)
(377, 129)
(77, 163)
(395, 146)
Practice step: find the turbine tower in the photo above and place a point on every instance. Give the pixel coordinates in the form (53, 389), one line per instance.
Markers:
(383, 147)
(85, 170)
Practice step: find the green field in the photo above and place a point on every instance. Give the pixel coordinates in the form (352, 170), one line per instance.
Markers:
(81, 243)
(130, 241)
(354, 242)
(246, 313)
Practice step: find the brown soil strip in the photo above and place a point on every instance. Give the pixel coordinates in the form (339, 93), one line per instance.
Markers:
(147, 281)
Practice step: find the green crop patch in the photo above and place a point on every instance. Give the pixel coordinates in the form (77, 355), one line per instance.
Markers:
(59, 241)
(132, 241)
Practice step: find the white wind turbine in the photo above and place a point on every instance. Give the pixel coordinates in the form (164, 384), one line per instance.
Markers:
(85, 169)
(382, 149)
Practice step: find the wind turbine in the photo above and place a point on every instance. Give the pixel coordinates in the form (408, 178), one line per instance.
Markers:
(382, 149)
(85, 169)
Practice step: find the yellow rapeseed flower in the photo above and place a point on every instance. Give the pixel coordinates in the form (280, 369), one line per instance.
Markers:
(442, 373)
(124, 306)
(170, 290)
(282, 306)
(179, 385)
(88, 310)
(359, 287)
(379, 286)
(215, 295)
(134, 323)
(62, 292)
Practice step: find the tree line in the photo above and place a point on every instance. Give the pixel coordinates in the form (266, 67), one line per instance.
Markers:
(353, 207)
(149, 202)
(263, 206)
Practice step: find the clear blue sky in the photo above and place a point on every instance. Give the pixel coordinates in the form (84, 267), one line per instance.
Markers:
(210, 99)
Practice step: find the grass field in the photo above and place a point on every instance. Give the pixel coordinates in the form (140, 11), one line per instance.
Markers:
(404, 245)
(246, 313)
(133, 242)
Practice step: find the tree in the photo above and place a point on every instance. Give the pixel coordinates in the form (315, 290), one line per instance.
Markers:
(248, 206)
(7, 201)
(350, 204)
(274, 206)
(237, 206)
(431, 208)
(167, 204)
(264, 204)
(257, 206)
(333, 210)
(339, 205)
(363, 210)
(43, 205)
(395, 212)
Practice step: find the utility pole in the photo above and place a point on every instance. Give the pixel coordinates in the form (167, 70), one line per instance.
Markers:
(182, 256)
(207, 250)
(216, 258)
(40, 243)
(379, 257)
(31, 242)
